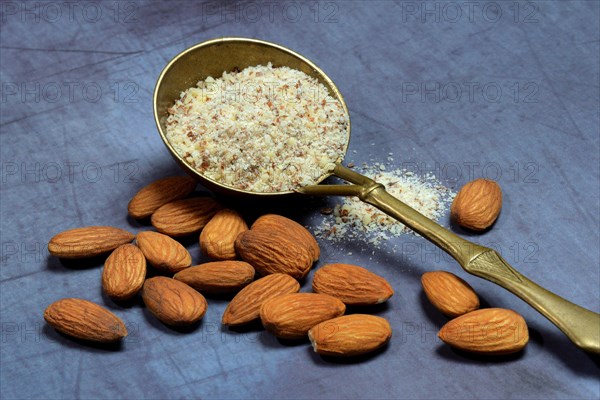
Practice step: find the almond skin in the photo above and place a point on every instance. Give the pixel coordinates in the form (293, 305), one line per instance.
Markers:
(285, 226)
(159, 193)
(487, 331)
(124, 272)
(350, 335)
(217, 239)
(85, 320)
(292, 315)
(88, 242)
(173, 302)
(449, 293)
(163, 253)
(271, 253)
(477, 205)
(352, 284)
(184, 217)
(217, 277)
(245, 306)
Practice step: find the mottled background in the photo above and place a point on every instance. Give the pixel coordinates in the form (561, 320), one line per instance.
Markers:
(504, 90)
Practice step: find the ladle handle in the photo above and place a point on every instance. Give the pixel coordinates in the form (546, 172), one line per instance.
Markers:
(580, 325)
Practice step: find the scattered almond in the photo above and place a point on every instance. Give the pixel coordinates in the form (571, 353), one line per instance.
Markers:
(245, 306)
(124, 272)
(271, 253)
(85, 320)
(278, 224)
(292, 315)
(352, 284)
(217, 277)
(158, 193)
(88, 242)
(184, 217)
(487, 331)
(350, 335)
(173, 302)
(477, 204)
(449, 293)
(217, 239)
(162, 252)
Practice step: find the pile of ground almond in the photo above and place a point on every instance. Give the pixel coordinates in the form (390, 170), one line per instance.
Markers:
(262, 129)
(352, 218)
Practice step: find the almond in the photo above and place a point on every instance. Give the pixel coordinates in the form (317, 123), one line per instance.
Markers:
(88, 242)
(285, 226)
(449, 293)
(85, 320)
(162, 252)
(477, 204)
(184, 217)
(350, 335)
(173, 302)
(352, 284)
(487, 331)
(217, 277)
(245, 306)
(271, 253)
(291, 316)
(158, 193)
(217, 239)
(124, 272)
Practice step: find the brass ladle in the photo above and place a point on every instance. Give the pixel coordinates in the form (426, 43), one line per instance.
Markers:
(212, 57)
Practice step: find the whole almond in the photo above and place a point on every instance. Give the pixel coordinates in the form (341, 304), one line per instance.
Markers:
(88, 242)
(158, 193)
(271, 253)
(487, 331)
(449, 293)
(217, 239)
(217, 277)
(184, 217)
(124, 272)
(350, 335)
(477, 204)
(292, 315)
(85, 320)
(352, 284)
(245, 306)
(285, 226)
(162, 252)
(173, 302)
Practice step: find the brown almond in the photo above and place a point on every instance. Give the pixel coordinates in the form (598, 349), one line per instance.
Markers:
(449, 293)
(487, 331)
(184, 217)
(477, 204)
(173, 302)
(352, 284)
(159, 193)
(350, 335)
(217, 277)
(88, 242)
(245, 306)
(292, 315)
(285, 226)
(85, 320)
(217, 239)
(162, 252)
(124, 272)
(270, 253)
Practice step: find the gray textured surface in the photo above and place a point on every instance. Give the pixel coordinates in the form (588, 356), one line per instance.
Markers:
(541, 133)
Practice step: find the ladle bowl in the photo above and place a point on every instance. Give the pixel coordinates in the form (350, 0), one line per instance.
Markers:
(213, 57)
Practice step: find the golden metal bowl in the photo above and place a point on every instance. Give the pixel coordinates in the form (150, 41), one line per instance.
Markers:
(212, 58)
